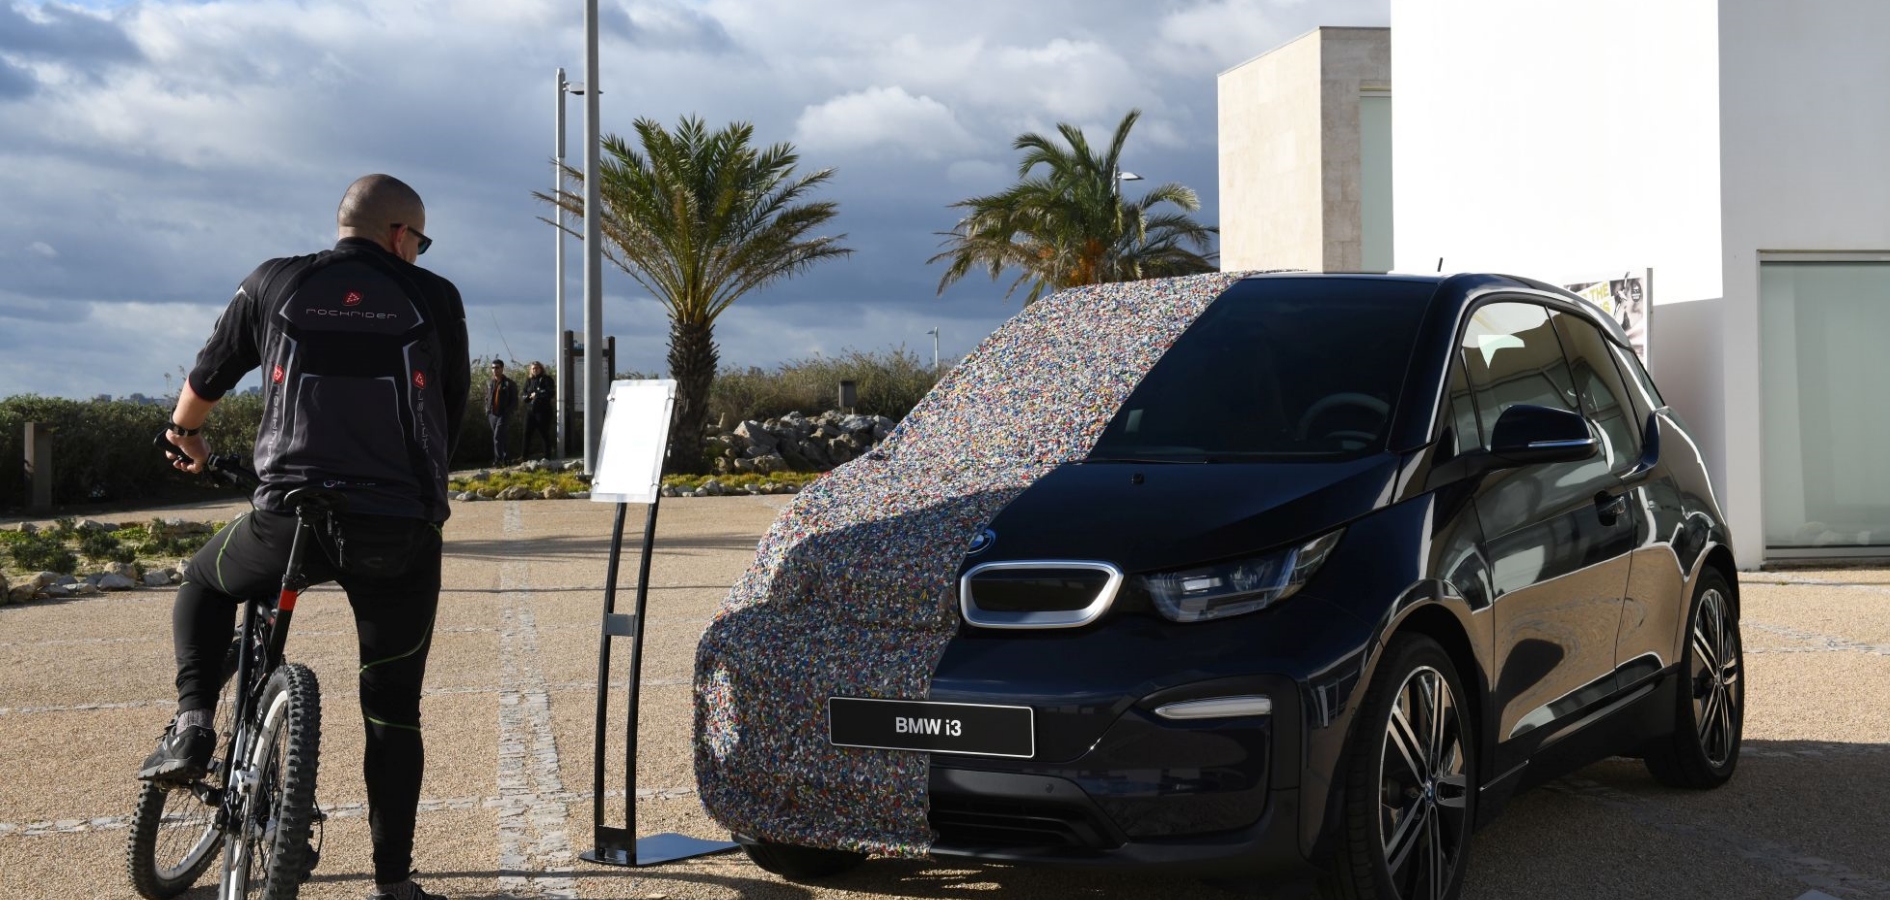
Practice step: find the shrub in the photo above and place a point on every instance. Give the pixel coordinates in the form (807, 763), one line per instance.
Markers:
(888, 384)
(43, 552)
(100, 545)
(102, 448)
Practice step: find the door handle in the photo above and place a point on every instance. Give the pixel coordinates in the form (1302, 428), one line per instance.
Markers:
(1611, 509)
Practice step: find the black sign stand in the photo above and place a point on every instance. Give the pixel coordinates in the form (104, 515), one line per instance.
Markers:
(621, 846)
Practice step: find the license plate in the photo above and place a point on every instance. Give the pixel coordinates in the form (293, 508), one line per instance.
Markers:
(965, 728)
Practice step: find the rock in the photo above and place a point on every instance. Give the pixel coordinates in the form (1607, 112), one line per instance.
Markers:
(91, 579)
(721, 465)
(770, 464)
(128, 570)
(116, 582)
(3, 588)
(856, 424)
(743, 466)
(22, 592)
(670, 492)
(555, 492)
(815, 454)
(157, 578)
(882, 427)
(66, 580)
(576, 465)
(87, 589)
(95, 525)
(464, 495)
(487, 493)
(28, 528)
(44, 578)
(712, 488)
(580, 495)
(752, 488)
(517, 492)
(756, 434)
(56, 591)
(794, 460)
(174, 527)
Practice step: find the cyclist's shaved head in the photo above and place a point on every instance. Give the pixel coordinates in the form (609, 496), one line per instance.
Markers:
(376, 202)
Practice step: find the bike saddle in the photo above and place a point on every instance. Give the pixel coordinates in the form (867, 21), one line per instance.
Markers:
(318, 499)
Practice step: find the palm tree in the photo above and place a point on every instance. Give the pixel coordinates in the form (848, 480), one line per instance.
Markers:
(700, 218)
(1071, 225)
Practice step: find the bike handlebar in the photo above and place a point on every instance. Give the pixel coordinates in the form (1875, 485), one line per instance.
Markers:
(232, 469)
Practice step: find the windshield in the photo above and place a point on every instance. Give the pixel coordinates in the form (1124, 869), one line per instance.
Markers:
(1276, 369)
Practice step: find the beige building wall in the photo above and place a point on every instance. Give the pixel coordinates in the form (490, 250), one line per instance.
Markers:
(1289, 150)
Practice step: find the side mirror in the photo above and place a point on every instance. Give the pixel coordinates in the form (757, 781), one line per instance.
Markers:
(1526, 435)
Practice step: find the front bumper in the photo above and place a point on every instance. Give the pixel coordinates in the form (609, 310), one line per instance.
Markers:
(1206, 798)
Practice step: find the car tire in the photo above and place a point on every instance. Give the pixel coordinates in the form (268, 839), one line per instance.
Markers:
(801, 863)
(1410, 772)
(1709, 711)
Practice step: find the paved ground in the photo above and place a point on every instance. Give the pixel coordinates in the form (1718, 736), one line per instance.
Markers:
(85, 687)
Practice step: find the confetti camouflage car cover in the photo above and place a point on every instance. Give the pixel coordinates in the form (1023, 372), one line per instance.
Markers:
(852, 591)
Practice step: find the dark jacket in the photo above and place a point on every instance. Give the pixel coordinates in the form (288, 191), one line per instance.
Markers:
(501, 397)
(365, 376)
(540, 391)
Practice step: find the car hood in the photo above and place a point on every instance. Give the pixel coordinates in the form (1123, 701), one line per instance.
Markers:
(1143, 517)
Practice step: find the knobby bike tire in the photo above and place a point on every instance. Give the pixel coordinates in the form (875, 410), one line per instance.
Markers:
(286, 753)
(164, 858)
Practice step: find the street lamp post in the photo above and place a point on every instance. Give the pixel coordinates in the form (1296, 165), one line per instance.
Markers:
(594, 386)
(557, 331)
(934, 334)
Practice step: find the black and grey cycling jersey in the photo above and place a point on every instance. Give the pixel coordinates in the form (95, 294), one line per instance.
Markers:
(365, 376)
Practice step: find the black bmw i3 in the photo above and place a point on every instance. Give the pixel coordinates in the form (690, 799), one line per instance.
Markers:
(1358, 558)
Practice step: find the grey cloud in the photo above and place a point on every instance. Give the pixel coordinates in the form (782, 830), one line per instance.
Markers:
(63, 32)
(665, 26)
(15, 81)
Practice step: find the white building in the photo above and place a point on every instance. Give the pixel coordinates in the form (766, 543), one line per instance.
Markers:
(1305, 153)
(1741, 150)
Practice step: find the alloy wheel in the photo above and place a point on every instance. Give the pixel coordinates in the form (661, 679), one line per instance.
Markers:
(1423, 786)
(1716, 695)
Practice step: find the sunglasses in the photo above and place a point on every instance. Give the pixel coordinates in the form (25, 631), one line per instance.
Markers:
(425, 241)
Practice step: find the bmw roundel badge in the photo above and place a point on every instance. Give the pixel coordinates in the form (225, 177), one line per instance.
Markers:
(983, 541)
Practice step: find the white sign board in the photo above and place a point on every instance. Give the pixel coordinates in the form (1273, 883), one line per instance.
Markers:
(636, 432)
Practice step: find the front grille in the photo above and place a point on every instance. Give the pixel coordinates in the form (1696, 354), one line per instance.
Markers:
(1037, 590)
(1038, 593)
(964, 821)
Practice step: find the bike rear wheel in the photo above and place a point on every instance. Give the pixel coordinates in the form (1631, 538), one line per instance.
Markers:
(174, 835)
(266, 854)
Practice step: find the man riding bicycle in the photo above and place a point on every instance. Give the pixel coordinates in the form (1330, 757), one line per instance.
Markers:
(366, 374)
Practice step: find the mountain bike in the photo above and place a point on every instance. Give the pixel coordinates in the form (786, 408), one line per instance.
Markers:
(256, 803)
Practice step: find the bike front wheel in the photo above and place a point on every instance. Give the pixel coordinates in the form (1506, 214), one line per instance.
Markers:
(265, 854)
(174, 828)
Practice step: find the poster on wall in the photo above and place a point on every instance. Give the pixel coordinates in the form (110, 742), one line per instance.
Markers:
(1625, 298)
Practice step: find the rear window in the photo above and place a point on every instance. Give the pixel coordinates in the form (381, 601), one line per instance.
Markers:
(1280, 369)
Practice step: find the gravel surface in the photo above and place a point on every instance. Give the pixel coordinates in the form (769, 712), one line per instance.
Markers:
(85, 687)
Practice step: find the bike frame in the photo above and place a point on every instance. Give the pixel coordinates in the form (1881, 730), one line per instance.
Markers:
(240, 782)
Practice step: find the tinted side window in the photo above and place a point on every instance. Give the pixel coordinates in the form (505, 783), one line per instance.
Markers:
(1512, 356)
(1604, 396)
(1637, 377)
(1460, 415)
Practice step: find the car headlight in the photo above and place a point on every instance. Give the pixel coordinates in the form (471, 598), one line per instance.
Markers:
(1242, 586)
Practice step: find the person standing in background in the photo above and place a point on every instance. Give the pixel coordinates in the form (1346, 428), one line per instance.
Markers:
(540, 393)
(501, 400)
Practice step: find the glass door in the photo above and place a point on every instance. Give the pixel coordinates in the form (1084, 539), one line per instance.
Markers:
(1824, 372)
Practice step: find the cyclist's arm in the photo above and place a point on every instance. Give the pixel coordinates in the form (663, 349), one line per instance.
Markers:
(230, 353)
(458, 366)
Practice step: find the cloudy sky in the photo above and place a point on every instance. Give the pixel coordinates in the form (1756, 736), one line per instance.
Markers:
(153, 152)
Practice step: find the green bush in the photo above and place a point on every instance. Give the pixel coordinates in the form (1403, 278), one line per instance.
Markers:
(888, 384)
(102, 448)
(42, 552)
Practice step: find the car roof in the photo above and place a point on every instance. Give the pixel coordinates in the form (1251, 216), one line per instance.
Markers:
(1459, 291)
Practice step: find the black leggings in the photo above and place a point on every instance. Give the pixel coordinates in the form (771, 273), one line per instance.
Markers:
(391, 573)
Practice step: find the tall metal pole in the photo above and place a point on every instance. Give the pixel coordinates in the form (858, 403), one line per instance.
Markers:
(559, 369)
(934, 334)
(594, 386)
